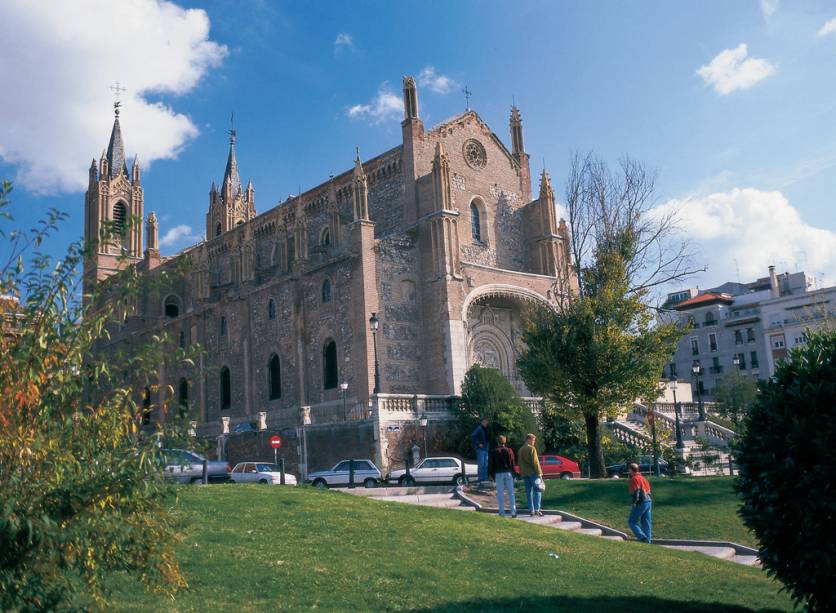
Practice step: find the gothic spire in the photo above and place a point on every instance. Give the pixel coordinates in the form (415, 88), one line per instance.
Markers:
(546, 191)
(231, 173)
(116, 150)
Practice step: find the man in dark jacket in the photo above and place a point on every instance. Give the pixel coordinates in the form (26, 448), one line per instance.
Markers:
(501, 469)
(479, 438)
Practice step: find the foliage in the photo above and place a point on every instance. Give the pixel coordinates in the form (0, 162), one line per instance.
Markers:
(561, 433)
(83, 495)
(487, 393)
(734, 395)
(787, 465)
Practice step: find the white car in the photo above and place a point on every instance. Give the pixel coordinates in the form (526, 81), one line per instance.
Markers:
(260, 472)
(365, 473)
(434, 470)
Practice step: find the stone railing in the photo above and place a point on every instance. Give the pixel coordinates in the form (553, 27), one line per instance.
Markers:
(716, 434)
(625, 434)
(409, 407)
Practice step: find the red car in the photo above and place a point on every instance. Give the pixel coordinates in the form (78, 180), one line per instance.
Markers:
(557, 467)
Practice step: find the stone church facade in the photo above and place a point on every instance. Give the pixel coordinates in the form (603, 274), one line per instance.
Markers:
(439, 237)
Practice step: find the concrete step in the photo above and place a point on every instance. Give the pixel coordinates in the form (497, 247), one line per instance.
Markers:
(568, 525)
(611, 537)
(590, 531)
(723, 553)
(746, 560)
(545, 520)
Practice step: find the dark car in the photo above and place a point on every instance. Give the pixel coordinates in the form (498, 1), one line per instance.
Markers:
(645, 467)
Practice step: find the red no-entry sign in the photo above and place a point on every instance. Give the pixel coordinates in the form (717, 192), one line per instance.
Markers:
(275, 441)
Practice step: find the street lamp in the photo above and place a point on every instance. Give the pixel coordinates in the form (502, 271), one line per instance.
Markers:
(651, 416)
(736, 362)
(343, 389)
(374, 324)
(696, 368)
(680, 446)
(423, 421)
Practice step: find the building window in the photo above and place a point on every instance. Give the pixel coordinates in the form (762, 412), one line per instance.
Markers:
(475, 223)
(715, 365)
(326, 291)
(673, 370)
(741, 358)
(219, 230)
(271, 309)
(753, 359)
(171, 306)
(329, 365)
(712, 342)
(226, 392)
(738, 337)
(695, 346)
(709, 318)
(274, 377)
(146, 406)
(183, 397)
(778, 342)
(750, 335)
(325, 238)
(120, 218)
(223, 326)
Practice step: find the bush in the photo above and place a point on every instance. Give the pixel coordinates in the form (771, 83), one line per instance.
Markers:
(487, 393)
(786, 459)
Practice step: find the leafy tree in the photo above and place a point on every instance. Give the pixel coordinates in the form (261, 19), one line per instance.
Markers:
(603, 347)
(83, 494)
(562, 434)
(487, 393)
(787, 465)
(734, 394)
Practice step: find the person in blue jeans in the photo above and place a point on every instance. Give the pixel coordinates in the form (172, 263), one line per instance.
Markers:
(479, 438)
(501, 469)
(640, 515)
(530, 471)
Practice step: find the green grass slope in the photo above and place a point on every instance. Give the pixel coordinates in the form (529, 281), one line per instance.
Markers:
(687, 508)
(250, 548)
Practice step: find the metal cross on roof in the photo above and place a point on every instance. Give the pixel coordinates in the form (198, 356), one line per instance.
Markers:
(231, 130)
(467, 94)
(117, 90)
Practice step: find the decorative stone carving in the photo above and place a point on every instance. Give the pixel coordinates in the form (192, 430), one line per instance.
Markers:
(475, 154)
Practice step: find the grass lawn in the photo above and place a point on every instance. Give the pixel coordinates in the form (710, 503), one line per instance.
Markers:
(692, 508)
(250, 548)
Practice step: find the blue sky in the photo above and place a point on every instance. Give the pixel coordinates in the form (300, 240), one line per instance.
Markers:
(734, 103)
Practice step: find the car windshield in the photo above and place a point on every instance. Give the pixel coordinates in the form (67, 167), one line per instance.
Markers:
(269, 468)
(188, 456)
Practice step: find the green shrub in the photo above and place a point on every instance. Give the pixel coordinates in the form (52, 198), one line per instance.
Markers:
(786, 459)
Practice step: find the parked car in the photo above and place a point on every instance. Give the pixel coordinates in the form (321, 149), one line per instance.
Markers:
(434, 470)
(645, 467)
(558, 467)
(365, 473)
(260, 472)
(183, 466)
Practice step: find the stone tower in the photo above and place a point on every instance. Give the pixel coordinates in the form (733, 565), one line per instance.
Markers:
(113, 212)
(230, 206)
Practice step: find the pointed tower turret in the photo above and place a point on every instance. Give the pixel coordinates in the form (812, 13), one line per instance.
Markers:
(518, 152)
(360, 190)
(410, 98)
(231, 185)
(441, 179)
(548, 214)
(135, 171)
(546, 246)
(116, 150)
(230, 206)
(413, 134)
(151, 232)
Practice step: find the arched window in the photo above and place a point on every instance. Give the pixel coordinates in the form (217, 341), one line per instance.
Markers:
(226, 393)
(325, 238)
(223, 326)
(709, 318)
(120, 217)
(326, 291)
(146, 406)
(271, 309)
(329, 365)
(172, 306)
(475, 223)
(219, 229)
(274, 375)
(183, 397)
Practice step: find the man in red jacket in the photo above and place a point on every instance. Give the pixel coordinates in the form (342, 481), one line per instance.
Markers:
(639, 519)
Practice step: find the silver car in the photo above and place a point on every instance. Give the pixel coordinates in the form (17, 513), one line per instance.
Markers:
(183, 466)
(434, 470)
(260, 472)
(365, 473)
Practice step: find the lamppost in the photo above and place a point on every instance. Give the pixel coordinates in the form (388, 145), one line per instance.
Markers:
(696, 368)
(374, 324)
(651, 416)
(736, 362)
(680, 446)
(343, 389)
(423, 421)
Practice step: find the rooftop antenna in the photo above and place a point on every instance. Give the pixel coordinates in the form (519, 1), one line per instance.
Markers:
(467, 94)
(117, 89)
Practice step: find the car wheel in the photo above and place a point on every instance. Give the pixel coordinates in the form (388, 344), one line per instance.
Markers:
(263, 481)
(458, 480)
(368, 483)
(566, 476)
(195, 480)
(320, 483)
(406, 481)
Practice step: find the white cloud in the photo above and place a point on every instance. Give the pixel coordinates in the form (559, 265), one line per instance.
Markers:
(748, 230)
(344, 42)
(179, 235)
(436, 83)
(768, 7)
(386, 105)
(732, 70)
(828, 28)
(59, 59)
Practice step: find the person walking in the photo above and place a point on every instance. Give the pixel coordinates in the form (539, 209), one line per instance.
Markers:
(479, 438)
(639, 519)
(501, 469)
(530, 471)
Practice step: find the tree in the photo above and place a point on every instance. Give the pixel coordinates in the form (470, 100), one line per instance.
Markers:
(734, 394)
(83, 493)
(602, 348)
(787, 465)
(487, 393)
